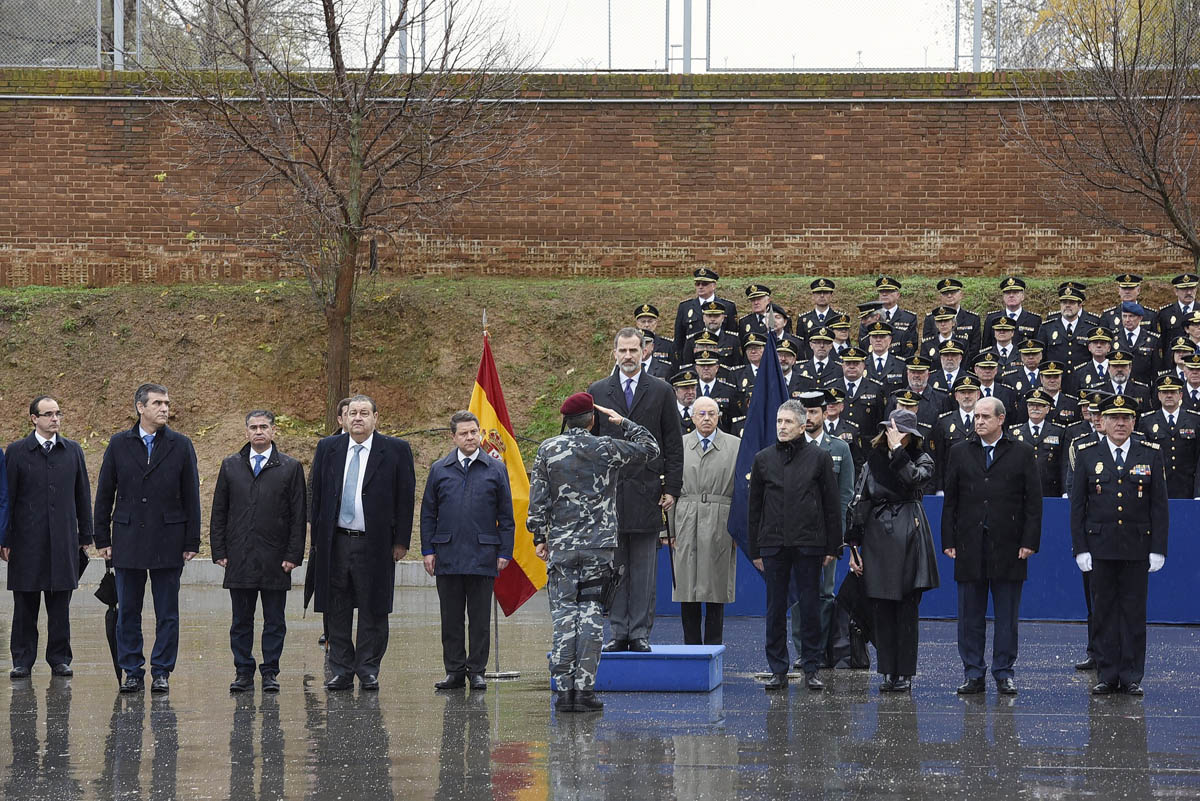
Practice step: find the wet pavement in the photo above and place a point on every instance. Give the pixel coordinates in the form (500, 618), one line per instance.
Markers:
(78, 739)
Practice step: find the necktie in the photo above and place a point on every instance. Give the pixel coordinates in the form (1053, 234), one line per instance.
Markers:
(1100, 370)
(987, 392)
(1196, 395)
(878, 364)
(1171, 420)
(258, 461)
(820, 367)
(987, 456)
(704, 443)
(628, 393)
(706, 394)
(1032, 377)
(350, 488)
(149, 440)
(1120, 458)
(820, 318)
(48, 445)
(1070, 330)
(1004, 353)
(829, 428)
(850, 391)
(1012, 316)
(970, 422)
(1037, 431)
(1120, 389)
(687, 412)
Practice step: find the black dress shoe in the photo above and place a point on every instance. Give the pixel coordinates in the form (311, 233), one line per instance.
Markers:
(798, 664)
(62, 669)
(639, 646)
(132, 684)
(453, 681)
(19, 673)
(369, 682)
(1104, 688)
(888, 684)
(270, 683)
(812, 682)
(340, 683)
(241, 683)
(160, 685)
(778, 681)
(971, 687)
(565, 701)
(1006, 687)
(902, 684)
(1134, 689)
(1087, 664)
(615, 646)
(478, 682)
(586, 701)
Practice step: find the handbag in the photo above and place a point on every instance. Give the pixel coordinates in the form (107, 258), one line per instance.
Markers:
(856, 511)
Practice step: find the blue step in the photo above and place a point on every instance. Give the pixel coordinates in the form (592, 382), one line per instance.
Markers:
(667, 668)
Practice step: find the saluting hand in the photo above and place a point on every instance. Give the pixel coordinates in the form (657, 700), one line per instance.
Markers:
(613, 417)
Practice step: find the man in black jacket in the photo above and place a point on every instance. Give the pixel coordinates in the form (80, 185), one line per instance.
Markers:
(148, 523)
(794, 530)
(644, 491)
(50, 500)
(257, 530)
(991, 525)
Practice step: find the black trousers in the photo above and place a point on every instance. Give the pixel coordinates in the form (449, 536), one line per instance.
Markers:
(241, 631)
(1091, 626)
(896, 634)
(713, 616)
(1119, 611)
(348, 590)
(23, 639)
(779, 569)
(465, 596)
(972, 626)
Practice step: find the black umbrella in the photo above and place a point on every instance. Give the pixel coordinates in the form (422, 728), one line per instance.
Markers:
(310, 578)
(106, 593)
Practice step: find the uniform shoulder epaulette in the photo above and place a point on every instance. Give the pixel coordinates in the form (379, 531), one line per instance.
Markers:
(1150, 444)
(1085, 445)
(1137, 383)
(946, 414)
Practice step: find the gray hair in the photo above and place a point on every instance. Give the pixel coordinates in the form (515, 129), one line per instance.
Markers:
(996, 404)
(142, 393)
(795, 407)
(626, 333)
(363, 399)
(581, 420)
(260, 413)
(461, 416)
(706, 401)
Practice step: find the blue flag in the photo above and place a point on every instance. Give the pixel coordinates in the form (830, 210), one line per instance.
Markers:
(769, 392)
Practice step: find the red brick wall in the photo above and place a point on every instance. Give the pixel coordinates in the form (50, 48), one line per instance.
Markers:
(624, 189)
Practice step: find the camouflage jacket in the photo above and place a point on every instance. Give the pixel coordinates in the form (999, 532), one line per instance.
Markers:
(573, 488)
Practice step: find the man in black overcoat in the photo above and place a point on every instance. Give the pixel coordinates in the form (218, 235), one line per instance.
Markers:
(991, 525)
(644, 491)
(148, 523)
(363, 491)
(257, 530)
(47, 501)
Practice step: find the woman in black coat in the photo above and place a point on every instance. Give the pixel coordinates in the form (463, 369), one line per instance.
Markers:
(898, 560)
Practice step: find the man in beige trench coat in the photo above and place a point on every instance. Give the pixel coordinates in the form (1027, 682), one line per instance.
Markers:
(705, 554)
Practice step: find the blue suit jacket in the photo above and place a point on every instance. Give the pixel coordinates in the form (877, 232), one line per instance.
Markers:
(467, 516)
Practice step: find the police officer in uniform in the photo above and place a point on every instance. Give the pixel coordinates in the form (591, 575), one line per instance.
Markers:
(954, 426)
(759, 296)
(1129, 287)
(1174, 429)
(1003, 347)
(1066, 336)
(1171, 317)
(573, 519)
(822, 367)
(742, 379)
(905, 331)
(966, 323)
(942, 319)
(689, 320)
(910, 401)
(1191, 381)
(1139, 342)
(1120, 381)
(950, 356)
(845, 429)
(1064, 406)
(1012, 289)
(864, 399)
(1119, 522)
(822, 314)
(1023, 376)
(713, 337)
(1048, 440)
(882, 364)
(712, 386)
(986, 368)
(930, 402)
(645, 318)
(685, 382)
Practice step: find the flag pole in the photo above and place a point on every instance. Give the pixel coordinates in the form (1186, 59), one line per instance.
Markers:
(497, 674)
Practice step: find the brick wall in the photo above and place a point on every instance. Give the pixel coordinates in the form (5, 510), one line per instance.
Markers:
(837, 184)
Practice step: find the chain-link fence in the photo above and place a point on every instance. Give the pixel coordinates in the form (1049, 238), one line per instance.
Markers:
(597, 35)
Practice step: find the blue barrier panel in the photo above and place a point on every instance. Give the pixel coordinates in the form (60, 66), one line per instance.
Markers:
(1054, 590)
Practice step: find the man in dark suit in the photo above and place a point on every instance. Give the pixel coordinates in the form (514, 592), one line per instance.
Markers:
(882, 364)
(467, 531)
(823, 367)
(257, 530)
(1119, 521)
(942, 321)
(1003, 346)
(1119, 380)
(363, 489)
(1048, 440)
(822, 314)
(646, 318)
(991, 525)
(148, 523)
(966, 323)
(644, 491)
(689, 321)
(1012, 290)
(953, 427)
(759, 298)
(1139, 342)
(714, 337)
(45, 519)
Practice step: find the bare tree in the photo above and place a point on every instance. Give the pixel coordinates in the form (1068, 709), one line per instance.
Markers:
(291, 104)
(1118, 123)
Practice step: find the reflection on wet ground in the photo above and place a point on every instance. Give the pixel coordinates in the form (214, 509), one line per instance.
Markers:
(78, 739)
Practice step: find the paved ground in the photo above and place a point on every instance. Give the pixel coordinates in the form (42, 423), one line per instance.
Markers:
(77, 739)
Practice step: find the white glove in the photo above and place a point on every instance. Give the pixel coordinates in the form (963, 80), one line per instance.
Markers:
(1157, 560)
(940, 493)
(1084, 560)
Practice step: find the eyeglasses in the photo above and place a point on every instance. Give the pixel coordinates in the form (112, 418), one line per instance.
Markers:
(49, 414)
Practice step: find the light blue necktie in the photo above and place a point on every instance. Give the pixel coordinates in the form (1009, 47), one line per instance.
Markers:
(350, 488)
(258, 461)
(149, 440)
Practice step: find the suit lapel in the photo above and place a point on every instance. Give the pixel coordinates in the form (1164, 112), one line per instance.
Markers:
(639, 391)
(375, 459)
(616, 394)
(164, 443)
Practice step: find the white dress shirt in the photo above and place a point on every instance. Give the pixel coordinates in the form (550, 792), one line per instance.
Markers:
(267, 456)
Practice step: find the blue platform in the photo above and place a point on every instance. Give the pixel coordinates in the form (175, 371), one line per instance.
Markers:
(667, 668)
(1054, 590)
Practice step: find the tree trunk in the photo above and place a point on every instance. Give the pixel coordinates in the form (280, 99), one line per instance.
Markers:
(338, 323)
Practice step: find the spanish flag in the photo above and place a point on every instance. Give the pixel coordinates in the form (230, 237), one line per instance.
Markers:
(526, 573)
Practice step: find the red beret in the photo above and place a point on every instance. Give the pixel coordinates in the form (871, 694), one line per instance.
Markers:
(578, 403)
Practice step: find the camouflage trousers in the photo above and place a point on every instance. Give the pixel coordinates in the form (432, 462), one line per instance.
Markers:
(578, 626)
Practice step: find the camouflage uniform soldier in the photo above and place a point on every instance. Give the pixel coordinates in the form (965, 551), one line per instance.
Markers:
(573, 518)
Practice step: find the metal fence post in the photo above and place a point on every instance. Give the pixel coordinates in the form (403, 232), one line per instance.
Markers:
(977, 45)
(118, 34)
(687, 37)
